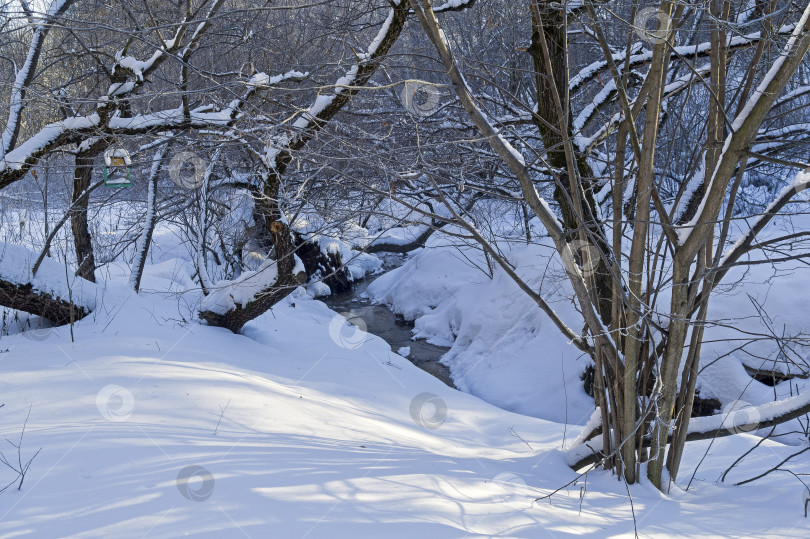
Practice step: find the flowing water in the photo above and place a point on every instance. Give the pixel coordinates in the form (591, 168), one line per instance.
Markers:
(395, 330)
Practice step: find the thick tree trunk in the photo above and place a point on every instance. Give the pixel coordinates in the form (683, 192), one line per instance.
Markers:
(83, 243)
(549, 29)
(269, 211)
(23, 297)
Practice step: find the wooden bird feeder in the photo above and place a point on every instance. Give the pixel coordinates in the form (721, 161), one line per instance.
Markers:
(117, 160)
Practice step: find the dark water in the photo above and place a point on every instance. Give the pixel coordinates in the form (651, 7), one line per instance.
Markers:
(396, 331)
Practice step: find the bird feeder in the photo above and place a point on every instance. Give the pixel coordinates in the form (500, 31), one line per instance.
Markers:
(117, 160)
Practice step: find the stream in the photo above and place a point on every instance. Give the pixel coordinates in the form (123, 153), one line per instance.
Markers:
(392, 328)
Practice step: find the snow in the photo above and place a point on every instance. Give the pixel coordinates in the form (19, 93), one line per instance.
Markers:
(275, 147)
(741, 417)
(52, 277)
(594, 421)
(152, 424)
(694, 183)
(16, 159)
(41, 30)
(15, 101)
(400, 235)
(588, 71)
(161, 429)
(358, 263)
(590, 109)
(451, 4)
(226, 295)
(318, 289)
(263, 79)
(504, 349)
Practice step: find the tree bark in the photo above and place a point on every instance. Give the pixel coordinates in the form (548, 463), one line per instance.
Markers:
(142, 246)
(574, 196)
(269, 210)
(82, 241)
(23, 297)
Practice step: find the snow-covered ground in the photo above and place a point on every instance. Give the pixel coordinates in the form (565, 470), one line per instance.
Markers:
(152, 425)
(506, 351)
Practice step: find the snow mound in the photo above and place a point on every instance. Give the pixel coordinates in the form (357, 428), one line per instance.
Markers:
(53, 278)
(504, 349)
(226, 295)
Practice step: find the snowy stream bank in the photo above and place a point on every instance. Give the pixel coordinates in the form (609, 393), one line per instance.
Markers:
(379, 320)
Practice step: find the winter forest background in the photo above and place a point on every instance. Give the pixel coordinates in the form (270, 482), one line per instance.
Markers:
(366, 268)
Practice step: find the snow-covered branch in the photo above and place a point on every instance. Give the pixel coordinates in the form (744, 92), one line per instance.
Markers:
(735, 421)
(638, 58)
(278, 153)
(74, 130)
(743, 131)
(26, 72)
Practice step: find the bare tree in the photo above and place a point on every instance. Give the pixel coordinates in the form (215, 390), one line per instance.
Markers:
(614, 280)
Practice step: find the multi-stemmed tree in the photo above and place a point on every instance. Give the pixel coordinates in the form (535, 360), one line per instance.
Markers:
(637, 211)
(586, 133)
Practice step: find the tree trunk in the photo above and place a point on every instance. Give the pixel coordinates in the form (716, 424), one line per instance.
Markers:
(549, 35)
(83, 243)
(23, 297)
(142, 246)
(269, 210)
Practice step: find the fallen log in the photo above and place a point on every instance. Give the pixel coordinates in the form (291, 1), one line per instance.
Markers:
(24, 297)
(55, 293)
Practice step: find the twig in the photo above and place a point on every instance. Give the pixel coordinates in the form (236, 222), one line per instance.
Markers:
(775, 468)
(516, 435)
(22, 469)
(222, 413)
(723, 477)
